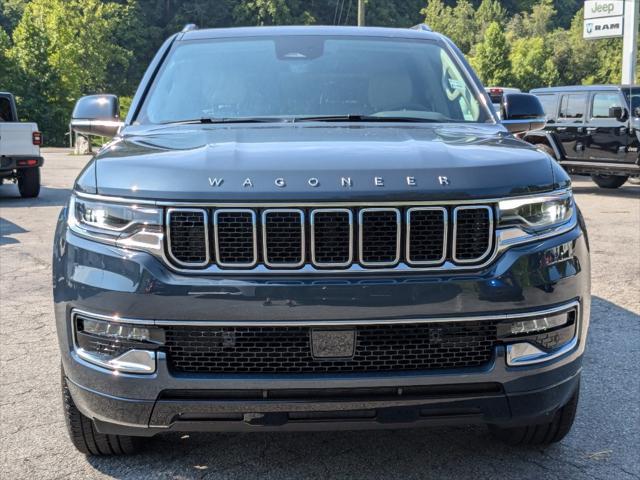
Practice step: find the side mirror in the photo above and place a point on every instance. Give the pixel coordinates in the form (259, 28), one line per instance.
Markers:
(618, 113)
(521, 112)
(97, 115)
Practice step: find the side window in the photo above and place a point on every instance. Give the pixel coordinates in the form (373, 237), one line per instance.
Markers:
(5, 110)
(572, 107)
(602, 104)
(549, 105)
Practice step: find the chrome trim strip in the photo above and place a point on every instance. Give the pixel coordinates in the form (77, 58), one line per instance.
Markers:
(574, 304)
(361, 214)
(364, 203)
(313, 236)
(254, 223)
(532, 355)
(445, 218)
(206, 237)
(264, 238)
(455, 233)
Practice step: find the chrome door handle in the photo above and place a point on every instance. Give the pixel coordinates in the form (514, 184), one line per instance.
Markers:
(623, 130)
(562, 129)
(591, 129)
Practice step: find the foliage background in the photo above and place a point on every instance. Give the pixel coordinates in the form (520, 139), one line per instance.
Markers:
(54, 51)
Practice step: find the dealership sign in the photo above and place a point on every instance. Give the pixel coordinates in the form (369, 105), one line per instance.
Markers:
(603, 27)
(603, 8)
(603, 18)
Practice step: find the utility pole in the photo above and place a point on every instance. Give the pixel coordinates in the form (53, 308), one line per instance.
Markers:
(361, 13)
(630, 41)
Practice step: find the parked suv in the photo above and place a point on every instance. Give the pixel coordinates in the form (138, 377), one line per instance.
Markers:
(317, 228)
(592, 130)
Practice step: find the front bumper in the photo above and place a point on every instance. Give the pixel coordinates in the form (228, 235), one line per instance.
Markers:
(109, 281)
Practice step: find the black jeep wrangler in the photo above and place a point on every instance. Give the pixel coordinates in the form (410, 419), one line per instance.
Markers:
(592, 130)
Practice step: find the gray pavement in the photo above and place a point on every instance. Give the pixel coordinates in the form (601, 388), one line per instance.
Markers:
(604, 443)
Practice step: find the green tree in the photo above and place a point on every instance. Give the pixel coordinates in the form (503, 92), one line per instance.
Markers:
(64, 49)
(491, 60)
(488, 12)
(531, 63)
(453, 22)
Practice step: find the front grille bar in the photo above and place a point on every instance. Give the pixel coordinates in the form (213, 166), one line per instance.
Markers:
(278, 238)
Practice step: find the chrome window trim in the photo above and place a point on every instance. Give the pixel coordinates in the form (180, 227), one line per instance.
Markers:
(361, 214)
(254, 222)
(206, 236)
(264, 238)
(455, 233)
(445, 219)
(313, 237)
(573, 304)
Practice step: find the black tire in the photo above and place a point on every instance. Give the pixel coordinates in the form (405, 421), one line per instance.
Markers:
(86, 438)
(544, 433)
(29, 182)
(609, 181)
(546, 149)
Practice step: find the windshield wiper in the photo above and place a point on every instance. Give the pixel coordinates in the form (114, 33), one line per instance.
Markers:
(364, 118)
(216, 120)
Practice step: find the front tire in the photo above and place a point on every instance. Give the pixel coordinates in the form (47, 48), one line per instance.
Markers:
(609, 181)
(86, 438)
(29, 182)
(544, 433)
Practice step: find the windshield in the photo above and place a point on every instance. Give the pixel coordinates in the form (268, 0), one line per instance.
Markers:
(292, 77)
(633, 95)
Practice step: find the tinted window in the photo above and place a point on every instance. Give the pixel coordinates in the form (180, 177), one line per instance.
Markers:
(573, 106)
(5, 110)
(292, 76)
(549, 105)
(602, 102)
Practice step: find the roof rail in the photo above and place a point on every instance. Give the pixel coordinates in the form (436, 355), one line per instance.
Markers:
(188, 27)
(423, 27)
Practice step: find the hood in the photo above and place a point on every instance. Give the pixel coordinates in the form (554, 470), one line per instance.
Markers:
(319, 162)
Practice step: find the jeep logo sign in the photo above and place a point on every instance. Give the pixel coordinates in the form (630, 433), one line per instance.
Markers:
(603, 18)
(603, 8)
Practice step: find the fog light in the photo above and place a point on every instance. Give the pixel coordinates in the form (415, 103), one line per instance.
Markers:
(117, 346)
(538, 324)
(539, 339)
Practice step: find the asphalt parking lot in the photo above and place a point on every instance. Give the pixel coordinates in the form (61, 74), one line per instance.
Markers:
(33, 438)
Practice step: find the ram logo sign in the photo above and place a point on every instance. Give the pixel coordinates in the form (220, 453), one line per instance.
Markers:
(608, 27)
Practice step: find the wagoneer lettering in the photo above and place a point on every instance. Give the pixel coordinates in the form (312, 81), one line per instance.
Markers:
(362, 234)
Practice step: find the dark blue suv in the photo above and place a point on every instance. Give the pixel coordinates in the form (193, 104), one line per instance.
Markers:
(309, 228)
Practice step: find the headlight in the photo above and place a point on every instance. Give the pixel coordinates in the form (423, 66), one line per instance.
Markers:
(124, 225)
(535, 214)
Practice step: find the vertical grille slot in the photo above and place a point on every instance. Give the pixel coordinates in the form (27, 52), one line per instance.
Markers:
(283, 237)
(188, 236)
(332, 237)
(472, 234)
(235, 237)
(426, 235)
(379, 242)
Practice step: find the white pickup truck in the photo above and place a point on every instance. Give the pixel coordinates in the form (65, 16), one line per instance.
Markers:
(20, 158)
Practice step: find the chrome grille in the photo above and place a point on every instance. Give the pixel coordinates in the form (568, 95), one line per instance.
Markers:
(379, 236)
(337, 238)
(235, 237)
(472, 235)
(332, 237)
(283, 237)
(188, 236)
(426, 235)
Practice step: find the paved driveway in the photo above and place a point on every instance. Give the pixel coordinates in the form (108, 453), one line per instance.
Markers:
(604, 443)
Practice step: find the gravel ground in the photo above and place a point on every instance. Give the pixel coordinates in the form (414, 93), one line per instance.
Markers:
(33, 438)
